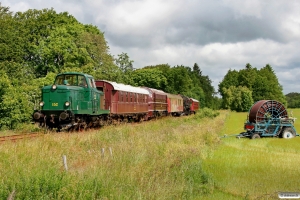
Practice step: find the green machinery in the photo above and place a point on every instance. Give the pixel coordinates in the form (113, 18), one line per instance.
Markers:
(73, 101)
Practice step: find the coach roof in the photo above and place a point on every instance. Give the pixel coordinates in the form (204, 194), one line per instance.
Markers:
(194, 100)
(127, 88)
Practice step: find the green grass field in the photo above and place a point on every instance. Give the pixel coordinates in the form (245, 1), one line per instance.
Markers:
(255, 169)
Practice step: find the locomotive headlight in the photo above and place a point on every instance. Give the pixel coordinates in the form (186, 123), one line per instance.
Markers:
(42, 103)
(53, 87)
(67, 103)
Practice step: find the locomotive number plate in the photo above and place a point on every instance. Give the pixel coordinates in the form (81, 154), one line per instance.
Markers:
(54, 104)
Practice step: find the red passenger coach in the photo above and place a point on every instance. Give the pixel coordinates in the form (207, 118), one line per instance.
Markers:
(175, 104)
(194, 105)
(158, 104)
(124, 101)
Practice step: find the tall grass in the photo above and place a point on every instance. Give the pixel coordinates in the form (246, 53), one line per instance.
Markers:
(169, 158)
(159, 159)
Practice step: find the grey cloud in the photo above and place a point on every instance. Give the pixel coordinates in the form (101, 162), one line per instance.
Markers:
(208, 24)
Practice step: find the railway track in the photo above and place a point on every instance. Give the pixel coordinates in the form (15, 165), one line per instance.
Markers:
(19, 137)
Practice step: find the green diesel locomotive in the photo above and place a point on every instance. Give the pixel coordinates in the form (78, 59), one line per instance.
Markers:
(73, 101)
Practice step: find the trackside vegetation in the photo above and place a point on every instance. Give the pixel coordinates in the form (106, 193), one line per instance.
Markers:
(169, 158)
(159, 159)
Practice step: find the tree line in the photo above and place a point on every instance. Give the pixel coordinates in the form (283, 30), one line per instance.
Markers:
(240, 89)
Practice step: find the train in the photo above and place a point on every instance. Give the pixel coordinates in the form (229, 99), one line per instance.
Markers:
(77, 101)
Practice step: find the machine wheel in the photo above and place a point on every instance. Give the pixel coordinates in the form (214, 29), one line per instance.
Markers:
(255, 136)
(288, 133)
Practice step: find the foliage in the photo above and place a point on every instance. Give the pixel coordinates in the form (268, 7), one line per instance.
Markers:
(16, 102)
(293, 99)
(262, 83)
(207, 113)
(230, 79)
(51, 42)
(178, 80)
(237, 98)
(150, 77)
(126, 67)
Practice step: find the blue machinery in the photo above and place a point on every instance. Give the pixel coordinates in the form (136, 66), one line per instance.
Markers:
(268, 118)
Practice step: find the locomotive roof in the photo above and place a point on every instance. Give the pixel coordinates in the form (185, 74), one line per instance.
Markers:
(127, 88)
(74, 73)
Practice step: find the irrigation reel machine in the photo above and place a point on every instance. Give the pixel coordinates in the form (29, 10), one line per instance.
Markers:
(268, 118)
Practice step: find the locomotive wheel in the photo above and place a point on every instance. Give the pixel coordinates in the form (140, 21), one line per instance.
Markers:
(288, 133)
(255, 136)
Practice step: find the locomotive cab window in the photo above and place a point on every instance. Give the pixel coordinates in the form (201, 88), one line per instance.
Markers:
(82, 82)
(66, 80)
(72, 80)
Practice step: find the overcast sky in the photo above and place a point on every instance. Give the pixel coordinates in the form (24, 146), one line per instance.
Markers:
(217, 34)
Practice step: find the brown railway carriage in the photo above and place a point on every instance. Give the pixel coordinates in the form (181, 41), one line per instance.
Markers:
(175, 104)
(158, 104)
(124, 101)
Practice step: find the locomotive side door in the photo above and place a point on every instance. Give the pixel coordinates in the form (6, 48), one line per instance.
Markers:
(95, 96)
